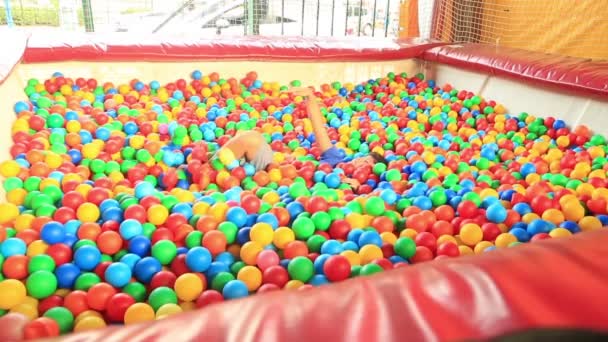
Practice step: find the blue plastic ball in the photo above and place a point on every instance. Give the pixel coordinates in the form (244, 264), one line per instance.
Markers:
(198, 259)
(146, 268)
(130, 228)
(370, 238)
(52, 232)
(118, 274)
(235, 289)
(237, 215)
(332, 247)
(140, 245)
(270, 219)
(332, 180)
(13, 246)
(66, 275)
(87, 257)
(496, 213)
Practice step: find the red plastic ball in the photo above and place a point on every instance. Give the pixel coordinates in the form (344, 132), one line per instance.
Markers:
(209, 297)
(49, 303)
(337, 268)
(422, 254)
(448, 249)
(427, 240)
(162, 278)
(16, 267)
(76, 302)
(117, 306)
(276, 275)
(99, 295)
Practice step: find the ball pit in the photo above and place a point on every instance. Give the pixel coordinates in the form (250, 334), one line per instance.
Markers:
(114, 202)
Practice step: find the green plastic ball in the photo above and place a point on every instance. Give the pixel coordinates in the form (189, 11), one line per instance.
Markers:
(405, 247)
(41, 284)
(164, 251)
(63, 317)
(301, 268)
(161, 296)
(374, 206)
(303, 228)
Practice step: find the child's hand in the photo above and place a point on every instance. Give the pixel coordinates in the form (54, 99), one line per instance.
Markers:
(352, 182)
(301, 91)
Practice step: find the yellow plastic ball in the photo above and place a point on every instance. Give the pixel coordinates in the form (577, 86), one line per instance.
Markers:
(85, 314)
(471, 234)
(554, 216)
(12, 293)
(369, 253)
(89, 323)
(187, 306)
(352, 256)
(504, 240)
(226, 156)
(446, 238)
(249, 252)
(251, 276)
(23, 222)
(157, 214)
(188, 287)
(560, 232)
(481, 246)
(139, 312)
(293, 285)
(261, 233)
(37, 247)
(271, 197)
(167, 310)
(408, 232)
(465, 250)
(388, 237)
(88, 212)
(9, 168)
(8, 212)
(283, 236)
(26, 309)
(590, 223)
(218, 211)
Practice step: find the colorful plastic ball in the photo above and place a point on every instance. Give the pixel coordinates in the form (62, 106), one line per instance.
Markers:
(209, 297)
(63, 317)
(161, 296)
(52, 233)
(13, 246)
(12, 293)
(471, 234)
(198, 259)
(118, 274)
(303, 228)
(164, 251)
(300, 268)
(138, 313)
(189, 286)
(405, 247)
(235, 289)
(98, 296)
(66, 275)
(41, 284)
(496, 213)
(8, 212)
(337, 268)
(146, 268)
(215, 242)
(87, 257)
(41, 327)
(266, 259)
(237, 215)
(251, 276)
(130, 228)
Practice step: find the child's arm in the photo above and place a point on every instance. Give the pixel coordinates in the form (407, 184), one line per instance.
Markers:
(244, 145)
(317, 119)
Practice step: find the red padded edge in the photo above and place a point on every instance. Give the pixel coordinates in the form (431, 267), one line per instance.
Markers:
(123, 47)
(567, 72)
(13, 46)
(552, 283)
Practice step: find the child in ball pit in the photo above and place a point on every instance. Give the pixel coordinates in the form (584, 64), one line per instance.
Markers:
(252, 147)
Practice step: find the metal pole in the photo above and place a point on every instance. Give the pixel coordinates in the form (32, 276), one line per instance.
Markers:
(318, 7)
(360, 10)
(250, 17)
(374, 18)
(282, 17)
(245, 16)
(302, 30)
(333, 6)
(88, 16)
(173, 15)
(346, 21)
(388, 13)
(9, 15)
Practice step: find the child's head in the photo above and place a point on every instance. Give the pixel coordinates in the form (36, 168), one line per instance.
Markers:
(371, 159)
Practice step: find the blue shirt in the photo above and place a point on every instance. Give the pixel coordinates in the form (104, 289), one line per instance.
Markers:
(333, 156)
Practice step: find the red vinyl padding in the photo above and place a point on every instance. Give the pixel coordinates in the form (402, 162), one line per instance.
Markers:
(13, 46)
(572, 73)
(553, 283)
(123, 47)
